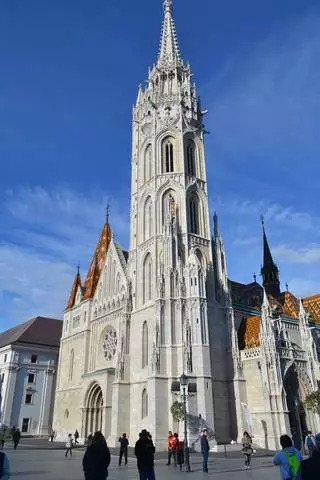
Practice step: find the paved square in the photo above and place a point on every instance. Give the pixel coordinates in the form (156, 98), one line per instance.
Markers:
(49, 464)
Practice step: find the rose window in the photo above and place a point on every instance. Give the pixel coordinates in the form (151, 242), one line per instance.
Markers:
(110, 343)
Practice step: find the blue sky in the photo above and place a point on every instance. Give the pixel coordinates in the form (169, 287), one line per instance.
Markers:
(69, 76)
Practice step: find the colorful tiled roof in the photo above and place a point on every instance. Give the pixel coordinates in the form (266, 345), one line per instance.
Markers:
(97, 263)
(73, 293)
(312, 305)
(290, 304)
(249, 332)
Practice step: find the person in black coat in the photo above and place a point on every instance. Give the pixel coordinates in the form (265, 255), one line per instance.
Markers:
(310, 468)
(144, 451)
(96, 460)
(123, 449)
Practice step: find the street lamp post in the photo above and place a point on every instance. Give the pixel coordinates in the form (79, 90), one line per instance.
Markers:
(184, 384)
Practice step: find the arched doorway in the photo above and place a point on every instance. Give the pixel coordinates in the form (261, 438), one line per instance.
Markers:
(94, 410)
(297, 414)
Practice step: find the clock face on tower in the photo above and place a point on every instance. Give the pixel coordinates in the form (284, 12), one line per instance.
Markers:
(168, 115)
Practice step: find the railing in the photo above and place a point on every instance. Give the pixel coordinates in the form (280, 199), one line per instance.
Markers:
(250, 353)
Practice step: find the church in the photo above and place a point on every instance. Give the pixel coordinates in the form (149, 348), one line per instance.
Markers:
(142, 318)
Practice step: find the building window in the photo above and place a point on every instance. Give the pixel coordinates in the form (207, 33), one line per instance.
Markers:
(148, 220)
(147, 279)
(147, 163)
(31, 378)
(167, 153)
(76, 321)
(144, 345)
(5, 358)
(71, 364)
(190, 159)
(25, 425)
(203, 325)
(34, 358)
(194, 216)
(162, 327)
(144, 404)
(28, 399)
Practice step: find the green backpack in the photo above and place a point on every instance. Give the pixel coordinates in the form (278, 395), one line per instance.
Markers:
(294, 463)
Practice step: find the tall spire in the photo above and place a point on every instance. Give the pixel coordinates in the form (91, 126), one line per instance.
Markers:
(169, 48)
(269, 270)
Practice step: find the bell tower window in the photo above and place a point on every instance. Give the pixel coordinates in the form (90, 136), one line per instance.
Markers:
(191, 159)
(168, 156)
(194, 217)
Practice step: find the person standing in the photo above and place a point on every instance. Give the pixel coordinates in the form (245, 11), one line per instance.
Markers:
(310, 444)
(289, 460)
(310, 468)
(175, 444)
(76, 436)
(2, 439)
(123, 449)
(96, 459)
(4, 467)
(144, 451)
(204, 450)
(16, 438)
(247, 449)
(69, 445)
(170, 444)
(180, 454)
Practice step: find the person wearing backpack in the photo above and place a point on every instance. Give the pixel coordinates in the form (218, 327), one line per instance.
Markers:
(310, 444)
(289, 460)
(4, 467)
(310, 467)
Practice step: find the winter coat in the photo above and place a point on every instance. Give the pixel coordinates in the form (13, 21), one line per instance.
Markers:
(247, 446)
(310, 468)
(96, 461)
(124, 442)
(282, 460)
(144, 451)
(204, 444)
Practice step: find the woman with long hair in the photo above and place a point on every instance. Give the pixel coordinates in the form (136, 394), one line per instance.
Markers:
(247, 449)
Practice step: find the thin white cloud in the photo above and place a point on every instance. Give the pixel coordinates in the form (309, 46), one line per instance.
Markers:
(309, 254)
(46, 234)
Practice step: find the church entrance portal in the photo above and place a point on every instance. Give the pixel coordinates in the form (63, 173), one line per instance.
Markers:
(297, 415)
(94, 410)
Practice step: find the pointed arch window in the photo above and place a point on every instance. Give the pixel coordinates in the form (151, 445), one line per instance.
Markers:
(147, 279)
(144, 403)
(144, 345)
(191, 170)
(162, 327)
(203, 324)
(194, 215)
(168, 156)
(148, 220)
(148, 163)
(71, 364)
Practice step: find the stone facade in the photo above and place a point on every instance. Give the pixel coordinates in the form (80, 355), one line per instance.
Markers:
(142, 319)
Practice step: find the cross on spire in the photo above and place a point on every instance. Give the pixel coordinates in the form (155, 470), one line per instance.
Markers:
(107, 212)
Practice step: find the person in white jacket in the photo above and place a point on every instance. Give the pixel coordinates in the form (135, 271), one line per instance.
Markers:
(4, 467)
(69, 444)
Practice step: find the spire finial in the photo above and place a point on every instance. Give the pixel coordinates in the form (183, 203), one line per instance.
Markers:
(287, 287)
(169, 49)
(254, 277)
(107, 213)
(215, 224)
(262, 221)
(78, 268)
(167, 6)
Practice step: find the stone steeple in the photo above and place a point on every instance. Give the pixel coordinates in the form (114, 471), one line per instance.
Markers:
(169, 49)
(269, 270)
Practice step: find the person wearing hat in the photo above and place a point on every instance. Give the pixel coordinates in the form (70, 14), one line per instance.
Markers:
(144, 451)
(310, 468)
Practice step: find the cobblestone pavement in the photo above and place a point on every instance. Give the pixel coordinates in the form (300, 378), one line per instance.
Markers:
(52, 465)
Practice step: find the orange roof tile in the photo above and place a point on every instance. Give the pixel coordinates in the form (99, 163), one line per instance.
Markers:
(290, 305)
(97, 262)
(312, 305)
(73, 293)
(249, 333)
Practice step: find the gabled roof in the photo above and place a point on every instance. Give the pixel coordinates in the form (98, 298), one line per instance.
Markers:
(249, 332)
(97, 262)
(312, 305)
(290, 304)
(37, 331)
(73, 293)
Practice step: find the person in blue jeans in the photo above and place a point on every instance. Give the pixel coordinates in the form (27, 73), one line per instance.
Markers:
(204, 449)
(289, 460)
(4, 467)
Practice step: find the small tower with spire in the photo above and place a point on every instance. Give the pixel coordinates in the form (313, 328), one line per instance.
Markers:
(269, 270)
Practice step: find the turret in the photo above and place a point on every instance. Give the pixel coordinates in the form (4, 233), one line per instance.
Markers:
(269, 270)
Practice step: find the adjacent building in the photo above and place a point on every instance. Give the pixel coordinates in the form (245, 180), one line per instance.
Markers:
(142, 318)
(28, 363)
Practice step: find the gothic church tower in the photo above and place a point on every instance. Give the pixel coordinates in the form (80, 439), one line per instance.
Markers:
(170, 258)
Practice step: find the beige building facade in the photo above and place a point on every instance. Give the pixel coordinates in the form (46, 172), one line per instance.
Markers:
(142, 318)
